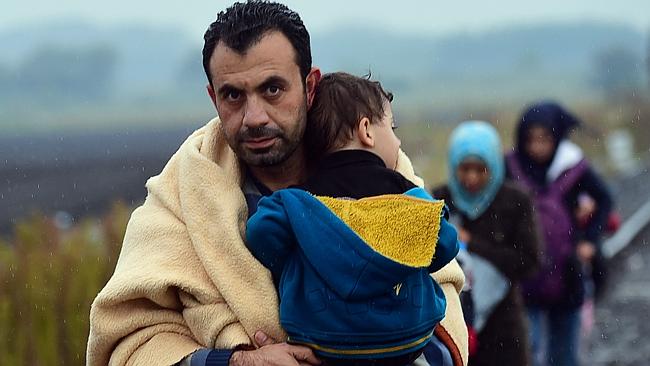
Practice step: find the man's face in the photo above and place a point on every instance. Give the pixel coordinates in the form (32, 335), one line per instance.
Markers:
(261, 99)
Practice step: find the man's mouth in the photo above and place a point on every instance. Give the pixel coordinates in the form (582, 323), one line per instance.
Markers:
(260, 143)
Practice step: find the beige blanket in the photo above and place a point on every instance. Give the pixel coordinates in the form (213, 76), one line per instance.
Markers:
(185, 280)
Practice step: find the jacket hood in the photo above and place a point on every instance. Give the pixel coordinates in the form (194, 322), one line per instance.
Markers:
(475, 139)
(554, 118)
(375, 242)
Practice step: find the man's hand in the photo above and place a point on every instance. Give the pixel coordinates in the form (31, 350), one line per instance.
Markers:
(585, 251)
(271, 353)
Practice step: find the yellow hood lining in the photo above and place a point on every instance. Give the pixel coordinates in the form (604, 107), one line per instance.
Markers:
(402, 228)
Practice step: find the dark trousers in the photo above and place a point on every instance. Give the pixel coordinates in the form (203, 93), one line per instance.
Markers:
(554, 335)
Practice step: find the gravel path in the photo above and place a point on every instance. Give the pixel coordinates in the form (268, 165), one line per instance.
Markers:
(622, 317)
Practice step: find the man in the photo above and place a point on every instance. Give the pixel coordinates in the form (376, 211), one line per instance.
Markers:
(185, 288)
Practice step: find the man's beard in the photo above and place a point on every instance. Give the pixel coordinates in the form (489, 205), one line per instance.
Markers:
(283, 148)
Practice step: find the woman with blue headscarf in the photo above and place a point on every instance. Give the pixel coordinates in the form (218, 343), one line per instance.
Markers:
(495, 220)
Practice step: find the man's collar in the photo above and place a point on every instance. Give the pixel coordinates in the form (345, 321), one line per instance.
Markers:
(253, 186)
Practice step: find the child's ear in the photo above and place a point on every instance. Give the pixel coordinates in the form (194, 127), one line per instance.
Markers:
(365, 133)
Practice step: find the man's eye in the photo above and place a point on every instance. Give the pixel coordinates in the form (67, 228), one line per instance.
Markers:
(232, 95)
(273, 91)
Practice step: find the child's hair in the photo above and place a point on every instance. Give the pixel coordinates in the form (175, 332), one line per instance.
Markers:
(341, 101)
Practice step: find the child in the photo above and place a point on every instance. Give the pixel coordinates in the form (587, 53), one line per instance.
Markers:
(351, 251)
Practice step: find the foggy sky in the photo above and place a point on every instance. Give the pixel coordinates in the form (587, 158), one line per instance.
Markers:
(409, 16)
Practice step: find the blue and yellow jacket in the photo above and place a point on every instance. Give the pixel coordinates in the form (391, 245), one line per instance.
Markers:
(353, 275)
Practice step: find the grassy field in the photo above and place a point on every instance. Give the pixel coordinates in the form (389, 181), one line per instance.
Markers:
(49, 278)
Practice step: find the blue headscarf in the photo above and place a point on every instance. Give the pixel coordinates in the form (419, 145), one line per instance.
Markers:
(475, 139)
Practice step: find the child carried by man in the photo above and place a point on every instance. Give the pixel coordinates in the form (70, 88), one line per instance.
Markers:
(351, 250)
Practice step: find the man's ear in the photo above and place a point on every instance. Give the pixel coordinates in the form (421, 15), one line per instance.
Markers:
(212, 94)
(311, 83)
(365, 133)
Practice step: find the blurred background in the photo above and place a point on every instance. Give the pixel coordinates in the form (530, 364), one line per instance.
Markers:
(96, 96)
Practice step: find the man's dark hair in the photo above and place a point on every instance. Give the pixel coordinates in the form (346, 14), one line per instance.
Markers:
(243, 24)
(341, 100)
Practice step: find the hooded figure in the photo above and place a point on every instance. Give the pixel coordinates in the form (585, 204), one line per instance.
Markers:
(558, 122)
(554, 171)
(479, 140)
(496, 221)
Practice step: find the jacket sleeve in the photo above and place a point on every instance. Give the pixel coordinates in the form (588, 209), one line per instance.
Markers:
(518, 257)
(453, 331)
(447, 246)
(269, 235)
(591, 184)
(208, 357)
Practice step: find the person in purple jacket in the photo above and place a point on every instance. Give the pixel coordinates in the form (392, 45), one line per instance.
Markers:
(555, 172)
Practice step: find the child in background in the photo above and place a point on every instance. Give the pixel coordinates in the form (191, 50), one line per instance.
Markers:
(351, 250)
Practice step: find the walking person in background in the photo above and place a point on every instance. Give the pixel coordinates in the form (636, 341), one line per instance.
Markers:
(496, 221)
(555, 172)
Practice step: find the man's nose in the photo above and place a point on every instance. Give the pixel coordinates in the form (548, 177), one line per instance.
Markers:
(255, 114)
